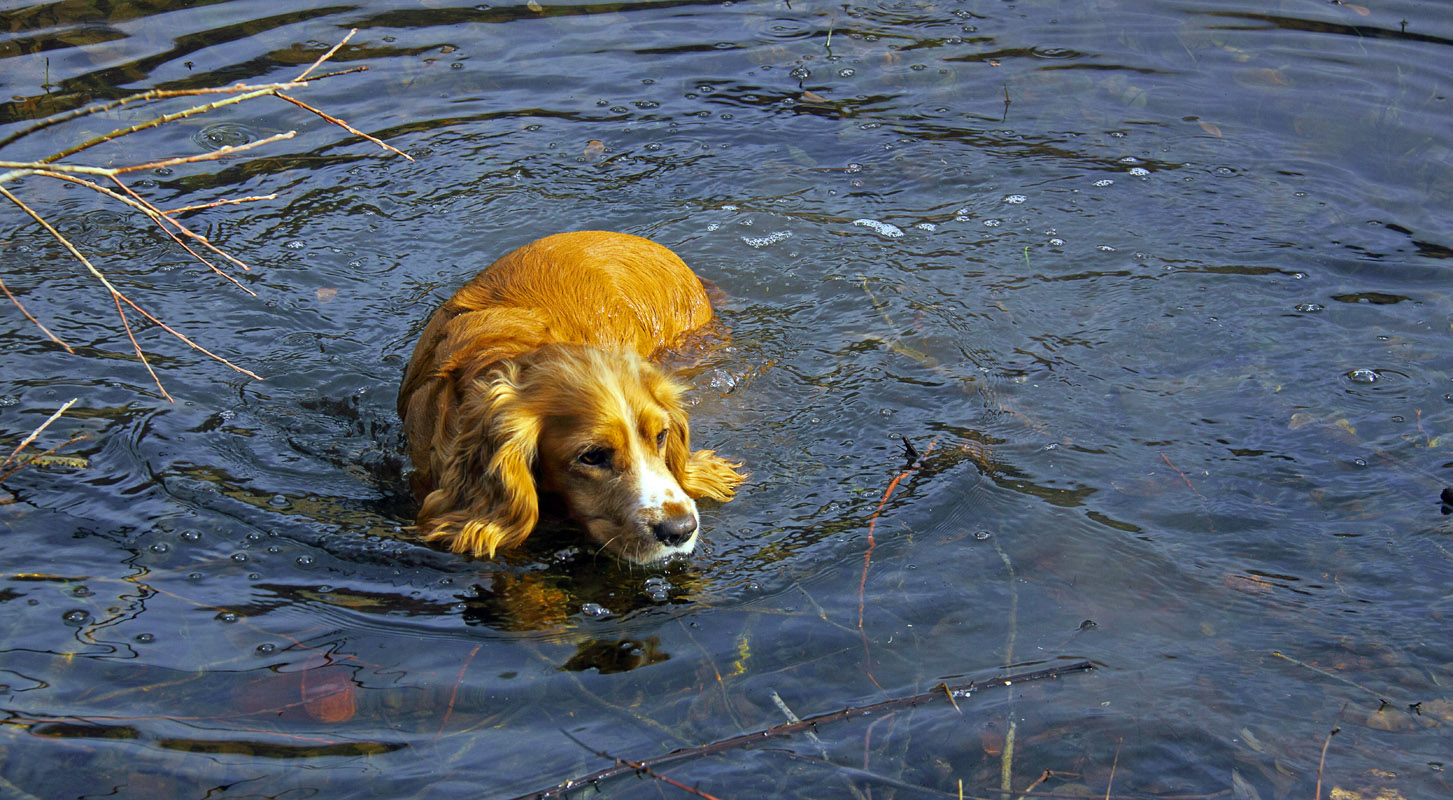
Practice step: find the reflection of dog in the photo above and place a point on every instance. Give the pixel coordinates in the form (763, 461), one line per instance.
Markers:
(534, 377)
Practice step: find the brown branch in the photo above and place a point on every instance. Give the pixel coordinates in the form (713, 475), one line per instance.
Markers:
(79, 256)
(221, 152)
(640, 767)
(143, 205)
(345, 126)
(1322, 762)
(808, 724)
(235, 201)
(137, 347)
(872, 523)
(35, 433)
(29, 316)
(318, 63)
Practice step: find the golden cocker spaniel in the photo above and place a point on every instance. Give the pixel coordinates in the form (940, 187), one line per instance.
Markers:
(536, 377)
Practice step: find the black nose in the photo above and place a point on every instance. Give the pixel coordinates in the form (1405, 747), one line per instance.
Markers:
(675, 530)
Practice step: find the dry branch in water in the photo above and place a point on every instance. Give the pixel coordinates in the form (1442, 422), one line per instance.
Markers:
(108, 182)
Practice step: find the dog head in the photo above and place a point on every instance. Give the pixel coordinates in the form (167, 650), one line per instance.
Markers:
(606, 431)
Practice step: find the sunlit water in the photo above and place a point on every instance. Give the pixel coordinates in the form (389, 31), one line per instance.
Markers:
(1159, 298)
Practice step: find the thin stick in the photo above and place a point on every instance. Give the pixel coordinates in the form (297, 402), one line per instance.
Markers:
(1116, 762)
(455, 694)
(1325, 744)
(345, 126)
(304, 74)
(215, 203)
(1189, 485)
(79, 256)
(29, 316)
(808, 724)
(872, 524)
(137, 347)
(1006, 760)
(221, 152)
(37, 431)
(640, 767)
(1334, 676)
(157, 216)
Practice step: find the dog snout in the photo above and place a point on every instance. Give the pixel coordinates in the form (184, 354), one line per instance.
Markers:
(674, 530)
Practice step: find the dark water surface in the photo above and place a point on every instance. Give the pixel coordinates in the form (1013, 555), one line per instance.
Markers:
(1159, 291)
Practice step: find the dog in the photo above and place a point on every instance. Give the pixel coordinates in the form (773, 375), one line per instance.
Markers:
(537, 377)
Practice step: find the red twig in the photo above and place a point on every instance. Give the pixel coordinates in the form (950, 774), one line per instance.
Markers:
(454, 695)
(868, 554)
(642, 768)
(1189, 485)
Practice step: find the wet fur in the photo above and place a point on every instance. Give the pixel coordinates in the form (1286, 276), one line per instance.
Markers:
(541, 358)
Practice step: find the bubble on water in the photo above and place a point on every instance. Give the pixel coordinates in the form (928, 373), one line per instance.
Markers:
(729, 207)
(880, 228)
(76, 617)
(594, 610)
(1363, 375)
(1310, 308)
(82, 591)
(801, 73)
(160, 547)
(770, 239)
(278, 501)
(1105, 248)
(239, 557)
(8, 400)
(926, 226)
(194, 576)
(963, 218)
(295, 244)
(266, 649)
(713, 226)
(993, 223)
(226, 616)
(846, 72)
(190, 536)
(304, 561)
(1224, 172)
(143, 638)
(1057, 242)
(1015, 199)
(852, 167)
(982, 535)
(657, 589)
(1139, 172)
(1130, 160)
(1105, 182)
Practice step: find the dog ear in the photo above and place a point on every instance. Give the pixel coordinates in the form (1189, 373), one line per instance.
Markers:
(485, 500)
(702, 473)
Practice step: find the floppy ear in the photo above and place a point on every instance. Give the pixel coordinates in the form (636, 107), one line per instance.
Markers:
(485, 500)
(702, 473)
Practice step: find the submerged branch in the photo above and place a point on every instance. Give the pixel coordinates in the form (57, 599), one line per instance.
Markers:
(937, 694)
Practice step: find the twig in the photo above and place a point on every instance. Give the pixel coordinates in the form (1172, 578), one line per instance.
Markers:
(1325, 744)
(872, 524)
(215, 203)
(345, 126)
(1006, 760)
(1334, 676)
(807, 724)
(29, 316)
(640, 767)
(1189, 485)
(454, 695)
(319, 62)
(35, 433)
(1116, 762)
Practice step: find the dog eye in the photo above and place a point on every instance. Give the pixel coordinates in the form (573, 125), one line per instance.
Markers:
(660, 440)
(595, 457)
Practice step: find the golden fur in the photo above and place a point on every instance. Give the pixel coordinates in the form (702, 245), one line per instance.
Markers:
(536, 377)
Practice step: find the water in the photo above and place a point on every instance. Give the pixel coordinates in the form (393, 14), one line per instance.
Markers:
(1165, 322)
